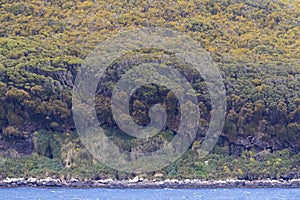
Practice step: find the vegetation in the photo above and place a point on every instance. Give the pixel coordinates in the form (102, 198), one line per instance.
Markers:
(280, 165)
(256, 45)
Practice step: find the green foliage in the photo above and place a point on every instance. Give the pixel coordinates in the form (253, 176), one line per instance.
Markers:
(255, 45)
(47, 145)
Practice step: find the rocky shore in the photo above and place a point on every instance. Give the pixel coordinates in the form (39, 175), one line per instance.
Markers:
(144, 183)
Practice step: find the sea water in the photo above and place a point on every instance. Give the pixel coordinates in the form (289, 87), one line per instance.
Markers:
(144, 194)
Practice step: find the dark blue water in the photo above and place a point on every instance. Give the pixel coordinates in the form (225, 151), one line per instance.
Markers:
(144, 194)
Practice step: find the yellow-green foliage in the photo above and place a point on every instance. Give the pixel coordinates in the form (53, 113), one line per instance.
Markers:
(255, 44)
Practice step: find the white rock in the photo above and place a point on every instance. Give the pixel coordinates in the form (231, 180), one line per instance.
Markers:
(7, 180)
(109, 180)
(32, 180)
(161, 182)
(105, 181)
(135, 180)
(48, 179)
(158, 175)
(187, 180)
(141, 179)
(74, 180)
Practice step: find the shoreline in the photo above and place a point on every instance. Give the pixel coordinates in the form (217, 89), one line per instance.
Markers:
(140, 183)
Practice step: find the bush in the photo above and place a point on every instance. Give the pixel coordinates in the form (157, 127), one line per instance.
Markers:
(47, 145)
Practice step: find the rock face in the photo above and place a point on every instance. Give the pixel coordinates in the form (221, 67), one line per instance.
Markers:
(16, 148)
(144, 183)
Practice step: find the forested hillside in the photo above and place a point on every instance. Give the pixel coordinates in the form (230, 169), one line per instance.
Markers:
(256, 46)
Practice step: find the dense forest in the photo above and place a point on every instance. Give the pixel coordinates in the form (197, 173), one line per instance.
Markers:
(255, 45)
